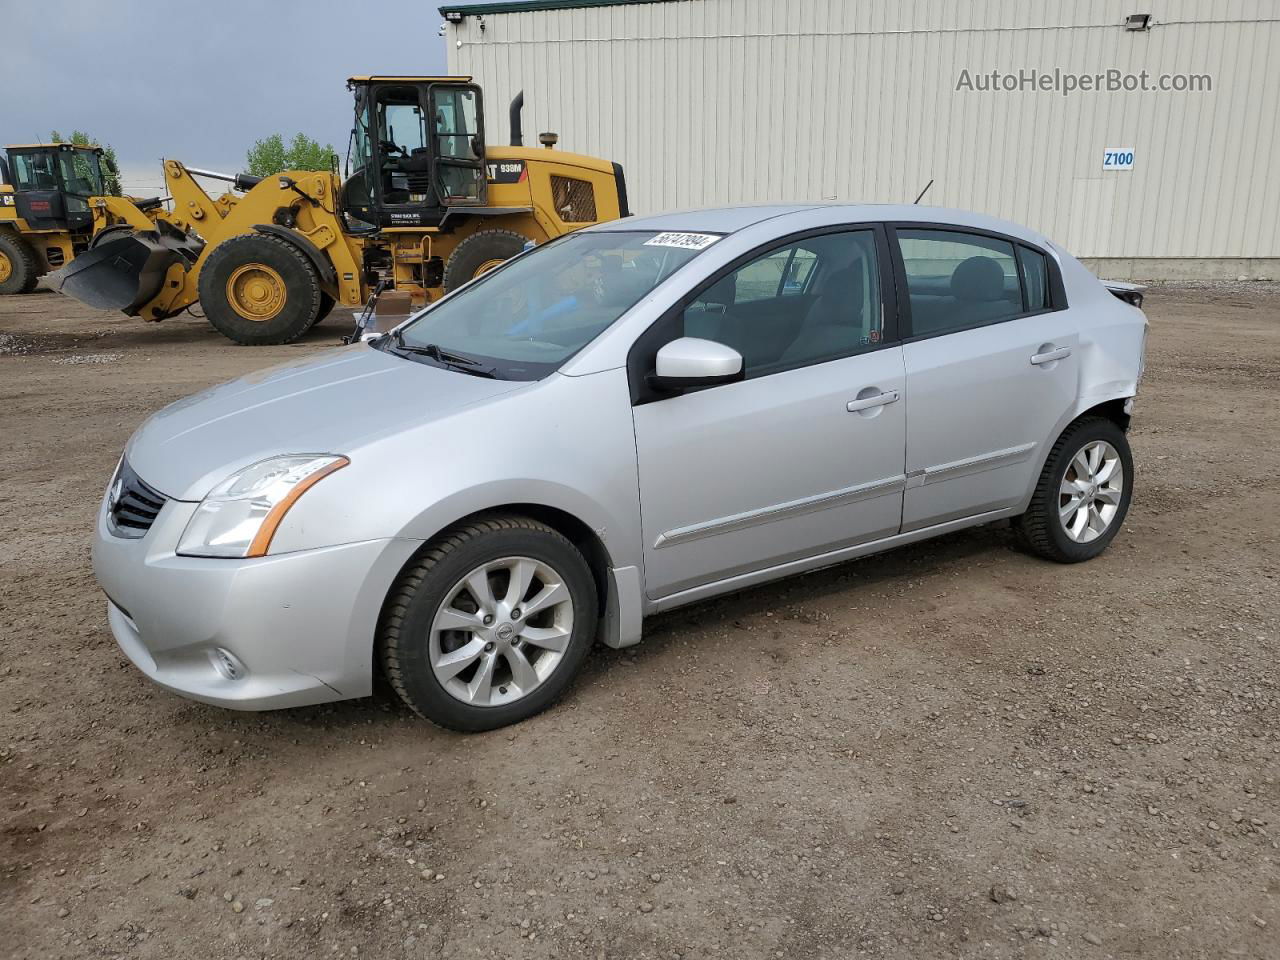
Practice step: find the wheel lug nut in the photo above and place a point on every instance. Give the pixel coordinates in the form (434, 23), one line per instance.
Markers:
(515, 614)
(488, 647)
(488, 619)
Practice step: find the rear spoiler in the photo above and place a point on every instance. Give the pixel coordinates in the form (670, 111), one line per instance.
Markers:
(1130, 293)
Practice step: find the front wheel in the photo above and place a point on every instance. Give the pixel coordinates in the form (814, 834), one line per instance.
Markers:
(258, 290)
(491, 625)
(1083, 493)
(19, 266)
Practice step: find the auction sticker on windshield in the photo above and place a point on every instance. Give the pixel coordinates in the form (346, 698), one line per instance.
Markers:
(685, 241)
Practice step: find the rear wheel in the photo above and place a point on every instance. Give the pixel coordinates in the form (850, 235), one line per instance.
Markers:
(19, 266)
(1083, 493)
(260, 290)
(480, 253)
(491, 625)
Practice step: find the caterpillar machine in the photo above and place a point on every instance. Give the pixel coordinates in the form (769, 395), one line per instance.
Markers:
(45, 215)
(427, 205)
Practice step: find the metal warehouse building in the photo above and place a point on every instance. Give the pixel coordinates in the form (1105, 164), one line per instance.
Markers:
(729, 101)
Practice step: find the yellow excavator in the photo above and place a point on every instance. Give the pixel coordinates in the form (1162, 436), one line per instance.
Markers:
(426, 206)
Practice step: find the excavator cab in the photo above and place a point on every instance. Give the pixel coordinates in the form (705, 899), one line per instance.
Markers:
(52, 184)
(417, 149)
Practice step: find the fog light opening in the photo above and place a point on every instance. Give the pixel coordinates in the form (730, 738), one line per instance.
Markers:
(227, 664)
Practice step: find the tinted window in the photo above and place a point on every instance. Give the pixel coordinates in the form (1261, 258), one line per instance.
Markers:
(814, 300)
(1035, 278)
(958, 280)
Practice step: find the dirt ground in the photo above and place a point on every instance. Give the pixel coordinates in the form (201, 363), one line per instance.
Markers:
(952, 750)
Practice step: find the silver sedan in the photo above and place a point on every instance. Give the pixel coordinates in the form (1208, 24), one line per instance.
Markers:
(630, 418)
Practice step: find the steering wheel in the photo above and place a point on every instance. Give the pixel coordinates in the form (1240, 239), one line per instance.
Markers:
(389, 147)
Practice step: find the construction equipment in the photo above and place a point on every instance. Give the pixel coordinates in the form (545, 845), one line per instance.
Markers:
(45, 215)
(427, 207)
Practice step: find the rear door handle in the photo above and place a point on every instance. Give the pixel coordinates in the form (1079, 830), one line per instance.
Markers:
(866, 403)
(1061, 353)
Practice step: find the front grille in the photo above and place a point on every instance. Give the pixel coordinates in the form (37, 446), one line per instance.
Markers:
(132, 504)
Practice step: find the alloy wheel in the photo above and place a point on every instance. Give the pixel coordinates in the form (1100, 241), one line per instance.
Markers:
(501, 631)
(1091, 490)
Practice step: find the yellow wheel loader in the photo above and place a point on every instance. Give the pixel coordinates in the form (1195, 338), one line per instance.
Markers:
(45, 216)
(427, 205)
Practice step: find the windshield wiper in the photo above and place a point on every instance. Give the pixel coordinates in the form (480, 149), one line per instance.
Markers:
(454, 361)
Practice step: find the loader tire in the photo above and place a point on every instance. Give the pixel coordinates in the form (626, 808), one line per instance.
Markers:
(19, 266)
(260, 290)
(326, 306)
(480, 253)
(114, 232)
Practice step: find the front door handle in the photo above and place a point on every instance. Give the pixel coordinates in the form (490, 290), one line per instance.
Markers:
(866, 403)
(1060, 353)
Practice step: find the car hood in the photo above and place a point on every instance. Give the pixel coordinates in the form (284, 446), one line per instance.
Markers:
(331, 403)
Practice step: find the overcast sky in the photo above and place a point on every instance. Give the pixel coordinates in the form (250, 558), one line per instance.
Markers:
(201, 81)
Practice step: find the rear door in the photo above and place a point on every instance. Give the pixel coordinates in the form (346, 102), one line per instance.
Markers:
(802, 457)
(991, 367)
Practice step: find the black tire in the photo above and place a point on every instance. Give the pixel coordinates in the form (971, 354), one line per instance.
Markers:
(107, 234)
(1039, 529)
(406, 622)
(23, 264)
(326, 306)
(477, 250)
(301, 290)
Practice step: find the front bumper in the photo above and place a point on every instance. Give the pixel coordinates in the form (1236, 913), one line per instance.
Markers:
(299, 627)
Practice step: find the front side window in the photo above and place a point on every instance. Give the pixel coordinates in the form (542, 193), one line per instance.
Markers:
(34, 171)
(808, 302)
(525, 319)
(958, 280)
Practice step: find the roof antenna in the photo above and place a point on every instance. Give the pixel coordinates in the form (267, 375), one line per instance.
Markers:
(924, 191)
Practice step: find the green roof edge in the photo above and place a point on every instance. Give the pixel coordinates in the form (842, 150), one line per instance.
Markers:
(530, 6)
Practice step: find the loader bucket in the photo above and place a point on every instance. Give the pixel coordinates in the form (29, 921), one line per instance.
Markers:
(126, 273)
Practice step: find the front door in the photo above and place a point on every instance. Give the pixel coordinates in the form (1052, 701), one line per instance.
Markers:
(991, 367)
(803, 456)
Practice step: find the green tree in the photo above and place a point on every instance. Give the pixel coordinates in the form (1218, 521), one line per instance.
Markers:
(271, 155)
(110, 169)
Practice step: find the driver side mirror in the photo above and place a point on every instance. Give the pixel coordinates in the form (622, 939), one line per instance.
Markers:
(692, 362)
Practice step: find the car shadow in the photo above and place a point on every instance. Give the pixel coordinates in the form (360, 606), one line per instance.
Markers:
(853, 579)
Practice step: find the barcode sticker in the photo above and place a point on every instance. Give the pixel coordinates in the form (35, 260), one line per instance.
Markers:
(686, 241)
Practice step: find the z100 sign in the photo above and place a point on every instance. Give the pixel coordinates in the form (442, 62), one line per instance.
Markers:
(1117, 158)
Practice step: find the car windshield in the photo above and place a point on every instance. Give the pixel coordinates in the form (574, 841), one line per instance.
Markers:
(534, 313)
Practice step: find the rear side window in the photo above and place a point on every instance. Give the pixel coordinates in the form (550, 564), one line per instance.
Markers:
(1035, 278)
(956, 281)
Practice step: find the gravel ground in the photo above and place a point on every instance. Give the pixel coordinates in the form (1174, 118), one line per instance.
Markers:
(951, 750)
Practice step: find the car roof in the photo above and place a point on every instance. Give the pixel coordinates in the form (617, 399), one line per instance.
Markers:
(793, 216)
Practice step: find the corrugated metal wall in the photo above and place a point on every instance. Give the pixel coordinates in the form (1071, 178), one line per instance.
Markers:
(725, 101)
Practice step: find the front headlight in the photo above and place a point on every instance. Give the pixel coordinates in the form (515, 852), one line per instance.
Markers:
(240, 515)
